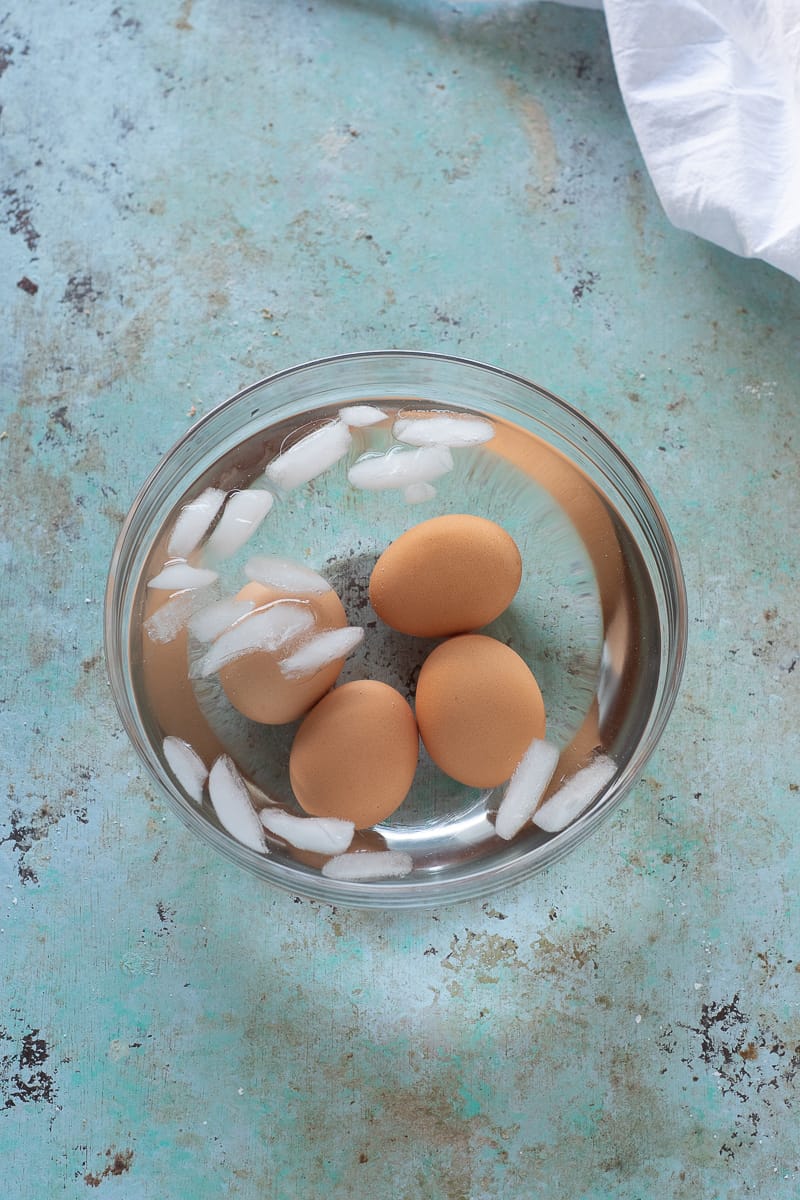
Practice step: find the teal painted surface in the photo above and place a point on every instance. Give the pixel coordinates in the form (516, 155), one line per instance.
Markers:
(201, 194)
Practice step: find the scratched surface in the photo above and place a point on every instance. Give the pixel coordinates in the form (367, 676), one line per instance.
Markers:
(192, 196)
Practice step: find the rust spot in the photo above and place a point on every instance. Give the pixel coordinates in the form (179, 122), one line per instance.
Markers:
(543, 171)
(749, 1053)
(119, 1161)
(183, 21)
(28, 285)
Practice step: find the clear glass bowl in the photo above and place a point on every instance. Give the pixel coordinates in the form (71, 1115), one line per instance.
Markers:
(600, 616)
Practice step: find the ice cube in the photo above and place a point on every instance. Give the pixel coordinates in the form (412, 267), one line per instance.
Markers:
(179, 576)
(325, 835)
(266, 629)
(443, 429)
(231, 801)
(418, 493)
(166, 622)
(369, 864)
(526, 787)
(575, 796)
(214, 619)
(321, 650)
(193, 522)
(358, 416)
(286, 574)
(240, 518)
(187, 766)
(400, 468)
(309, 457)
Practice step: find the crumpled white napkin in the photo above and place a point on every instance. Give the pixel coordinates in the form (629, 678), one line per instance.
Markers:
(712, 89)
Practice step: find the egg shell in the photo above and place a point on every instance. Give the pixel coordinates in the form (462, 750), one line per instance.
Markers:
(478, 708)
(355, 754)
(255, 685)
(445, 576)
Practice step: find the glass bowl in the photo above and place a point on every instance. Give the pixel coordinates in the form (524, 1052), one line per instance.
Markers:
(600, 615)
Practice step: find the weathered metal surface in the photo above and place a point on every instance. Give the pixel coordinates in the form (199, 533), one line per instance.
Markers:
(192, 196)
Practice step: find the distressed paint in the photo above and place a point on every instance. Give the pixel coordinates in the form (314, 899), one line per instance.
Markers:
(194, 195)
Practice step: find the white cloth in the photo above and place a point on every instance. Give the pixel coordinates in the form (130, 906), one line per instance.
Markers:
(712, 89)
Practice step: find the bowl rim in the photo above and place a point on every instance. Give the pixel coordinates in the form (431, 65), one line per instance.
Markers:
(409, 892)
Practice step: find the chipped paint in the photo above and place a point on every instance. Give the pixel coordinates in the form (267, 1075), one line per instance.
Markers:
(26, 1073)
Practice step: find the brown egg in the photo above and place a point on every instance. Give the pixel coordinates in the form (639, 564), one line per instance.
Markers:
(448, 575)
(355, 754)
(254, 683)
(165, 669)
(478, 709)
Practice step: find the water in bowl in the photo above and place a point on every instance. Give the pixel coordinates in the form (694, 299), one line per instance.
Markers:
(576, 620)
